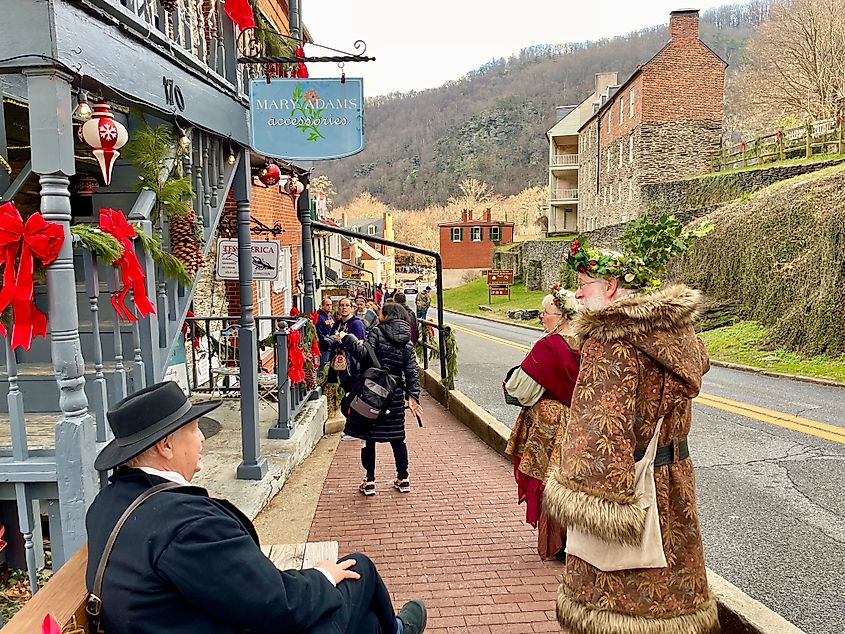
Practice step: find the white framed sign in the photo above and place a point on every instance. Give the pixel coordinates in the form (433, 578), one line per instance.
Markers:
(265, 259)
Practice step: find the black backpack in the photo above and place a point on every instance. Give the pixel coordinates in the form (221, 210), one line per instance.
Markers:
(373, 389)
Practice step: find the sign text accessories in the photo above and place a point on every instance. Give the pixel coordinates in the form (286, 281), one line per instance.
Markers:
(307, 119)
(132, 276)
(25, 241)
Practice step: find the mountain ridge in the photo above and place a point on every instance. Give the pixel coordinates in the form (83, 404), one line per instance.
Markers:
(490, 124)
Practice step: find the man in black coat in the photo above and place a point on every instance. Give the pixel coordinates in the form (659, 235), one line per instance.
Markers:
(185, 563)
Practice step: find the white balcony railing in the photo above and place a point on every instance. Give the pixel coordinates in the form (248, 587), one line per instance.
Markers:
(564, 194)
(559, 160)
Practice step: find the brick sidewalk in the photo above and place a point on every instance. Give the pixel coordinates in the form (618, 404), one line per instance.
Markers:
(459, 541)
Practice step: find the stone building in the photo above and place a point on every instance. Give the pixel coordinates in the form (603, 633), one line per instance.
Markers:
(662, 124)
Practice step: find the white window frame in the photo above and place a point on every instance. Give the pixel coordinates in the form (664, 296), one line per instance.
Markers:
(371, 230)
(456, 234)
(609, 119)
(498, 231)
(263, 307)
(630, 149)
(621, 110)
(631, 96)
(619, 193)
(476, 231)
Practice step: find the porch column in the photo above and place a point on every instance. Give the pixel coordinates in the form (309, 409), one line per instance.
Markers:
(51, 136)
(253, 466)
(303, 209)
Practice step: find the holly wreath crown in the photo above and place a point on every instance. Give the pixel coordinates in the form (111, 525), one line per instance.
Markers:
(648, 245)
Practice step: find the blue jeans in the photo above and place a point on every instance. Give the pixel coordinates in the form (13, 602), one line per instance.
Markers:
(422, 313)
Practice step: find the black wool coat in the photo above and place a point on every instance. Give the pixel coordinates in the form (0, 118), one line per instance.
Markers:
(391, 341)
(185, 563)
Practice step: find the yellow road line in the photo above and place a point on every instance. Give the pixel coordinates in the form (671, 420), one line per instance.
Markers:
(755, 412)
(780, 422)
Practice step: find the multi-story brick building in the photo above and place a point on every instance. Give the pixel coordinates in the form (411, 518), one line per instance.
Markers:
(662, 124)
(466, 245)
(564, 151)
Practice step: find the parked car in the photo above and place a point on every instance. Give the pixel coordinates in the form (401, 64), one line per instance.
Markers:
(410, 291)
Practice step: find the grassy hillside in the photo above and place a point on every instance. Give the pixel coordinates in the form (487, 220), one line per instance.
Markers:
(469, 297)
(491, 124)
(780, 254)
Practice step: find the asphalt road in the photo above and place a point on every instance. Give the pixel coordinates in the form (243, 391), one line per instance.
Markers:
(770, 470)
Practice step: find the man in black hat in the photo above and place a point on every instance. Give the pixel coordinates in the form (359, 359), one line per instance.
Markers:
(185, 563)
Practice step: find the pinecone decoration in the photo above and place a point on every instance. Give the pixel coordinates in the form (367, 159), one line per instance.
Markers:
(184, 244)
(168, 5)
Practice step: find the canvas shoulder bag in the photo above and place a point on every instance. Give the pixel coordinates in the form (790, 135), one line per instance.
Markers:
(609, 556)
(94, 604)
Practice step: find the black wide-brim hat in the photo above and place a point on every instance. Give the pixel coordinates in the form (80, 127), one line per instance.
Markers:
(139, 421)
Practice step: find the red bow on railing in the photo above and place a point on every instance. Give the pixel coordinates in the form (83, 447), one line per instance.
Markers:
(296, 360)
(314, 317)
(50, 626)
(37, 238)
(114, 223)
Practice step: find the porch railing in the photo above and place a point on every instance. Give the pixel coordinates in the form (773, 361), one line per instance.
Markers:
(215, 369)
(565, 193)
(196, 31)
(564, 160)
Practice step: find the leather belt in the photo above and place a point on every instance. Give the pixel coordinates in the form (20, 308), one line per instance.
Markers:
(667, 454)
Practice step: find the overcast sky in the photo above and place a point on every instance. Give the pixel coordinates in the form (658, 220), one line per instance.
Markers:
(420, 44)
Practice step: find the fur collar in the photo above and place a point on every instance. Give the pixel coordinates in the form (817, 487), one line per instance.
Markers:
(638, 315)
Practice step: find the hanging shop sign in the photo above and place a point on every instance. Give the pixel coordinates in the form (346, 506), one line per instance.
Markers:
(306, 119)
(265, 260)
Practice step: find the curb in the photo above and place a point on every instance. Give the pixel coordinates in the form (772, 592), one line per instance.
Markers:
(738, 612)
(714, 362)
(777, 375)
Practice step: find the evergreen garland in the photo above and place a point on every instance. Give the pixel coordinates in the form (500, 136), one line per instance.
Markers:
(148, 149)
(103, 245)
(172, 266)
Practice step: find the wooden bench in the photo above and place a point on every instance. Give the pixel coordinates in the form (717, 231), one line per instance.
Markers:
(65, 593)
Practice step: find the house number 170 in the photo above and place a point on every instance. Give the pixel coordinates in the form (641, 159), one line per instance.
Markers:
(173, 94)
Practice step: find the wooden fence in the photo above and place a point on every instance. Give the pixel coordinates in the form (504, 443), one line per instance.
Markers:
(818, 137)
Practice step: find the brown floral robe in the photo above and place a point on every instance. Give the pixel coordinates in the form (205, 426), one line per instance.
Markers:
(640, 360)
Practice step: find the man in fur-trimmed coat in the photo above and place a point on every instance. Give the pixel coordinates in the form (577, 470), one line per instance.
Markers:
(640, 360)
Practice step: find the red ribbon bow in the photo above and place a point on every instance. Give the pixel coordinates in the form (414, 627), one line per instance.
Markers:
(114, 223)
(35, 238)
(296, 360)
(50, 626)
(301, 69)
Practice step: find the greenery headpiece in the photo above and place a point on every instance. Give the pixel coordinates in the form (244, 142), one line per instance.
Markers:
(564, 300)
(647, 247)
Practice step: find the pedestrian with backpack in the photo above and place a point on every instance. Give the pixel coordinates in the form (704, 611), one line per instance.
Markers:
(375, 406)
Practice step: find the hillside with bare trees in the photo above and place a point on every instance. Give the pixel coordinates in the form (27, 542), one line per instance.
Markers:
(490, 125)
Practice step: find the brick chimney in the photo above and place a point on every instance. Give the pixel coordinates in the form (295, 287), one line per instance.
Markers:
(464, 215)
(683, 24)
(486, 216)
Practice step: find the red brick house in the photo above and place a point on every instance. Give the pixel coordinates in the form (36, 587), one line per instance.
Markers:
(466, 245)
(663, 123)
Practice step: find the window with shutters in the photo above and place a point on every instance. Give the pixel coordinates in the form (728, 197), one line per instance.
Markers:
(457, 234)
(475, 234)
(495, 234)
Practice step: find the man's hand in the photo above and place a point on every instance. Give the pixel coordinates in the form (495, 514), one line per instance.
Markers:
(339, 571)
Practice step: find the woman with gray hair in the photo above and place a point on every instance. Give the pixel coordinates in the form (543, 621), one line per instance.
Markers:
(543, 385)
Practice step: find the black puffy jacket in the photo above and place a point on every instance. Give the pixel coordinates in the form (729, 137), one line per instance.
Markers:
(391, 341)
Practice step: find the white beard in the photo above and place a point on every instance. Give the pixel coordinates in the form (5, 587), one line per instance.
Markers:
(594, 303)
